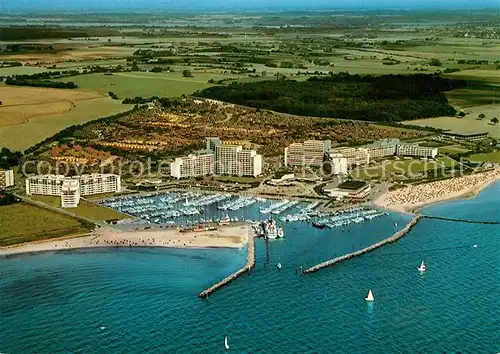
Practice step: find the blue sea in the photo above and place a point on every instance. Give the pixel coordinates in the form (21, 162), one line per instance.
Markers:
(146, 300)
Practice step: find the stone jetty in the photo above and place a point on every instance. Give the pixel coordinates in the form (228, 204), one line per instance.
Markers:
(246, 268)
(461, 220)
(345, 257)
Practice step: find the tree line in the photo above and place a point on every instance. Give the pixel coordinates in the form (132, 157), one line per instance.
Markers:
(42, 83)
(386, 98)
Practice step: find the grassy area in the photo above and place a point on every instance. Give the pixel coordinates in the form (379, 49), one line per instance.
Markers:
(34, 130)
(366, 173)
(493, 157)
(24, 223)
(468, 124)
(85, 209)
(452, 149)
(143, 84)
(415, 166)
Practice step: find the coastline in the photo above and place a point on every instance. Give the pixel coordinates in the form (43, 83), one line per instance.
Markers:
(223, 237)
(393, 200)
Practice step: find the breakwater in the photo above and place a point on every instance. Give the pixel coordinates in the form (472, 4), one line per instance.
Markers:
(379, 244)
(250, 263)
(461, 220)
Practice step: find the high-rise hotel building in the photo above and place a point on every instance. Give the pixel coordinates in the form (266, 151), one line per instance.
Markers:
(233, 160)
(220, 159)
(308, 153)
(201, 163)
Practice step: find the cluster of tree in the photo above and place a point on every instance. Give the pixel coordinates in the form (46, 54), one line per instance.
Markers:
(139, 100)
(7, 199)
(10, 64)
(149, 53)
(31, 32)
(26, 48)
(9, 158)
(43, 83)
(472, 62)
(159, 69)
(435, 62)
(291, 65)
(387, 98)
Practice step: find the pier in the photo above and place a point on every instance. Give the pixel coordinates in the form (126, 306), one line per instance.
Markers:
(379, 244)
(246, 268)
(461, 220)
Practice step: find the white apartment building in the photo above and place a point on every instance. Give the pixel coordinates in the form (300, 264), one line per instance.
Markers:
(71, 188)
(70, 193)
(233, 160)
(308, 153)
(354, 156)
(338, 164)
(193, 165)
(44, 185)
(416, 151)
(6, 178)
(98, 183)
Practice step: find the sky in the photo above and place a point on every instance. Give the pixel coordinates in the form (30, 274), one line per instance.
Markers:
(92, 5)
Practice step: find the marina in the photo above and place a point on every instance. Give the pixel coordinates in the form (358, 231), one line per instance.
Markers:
(185, 209)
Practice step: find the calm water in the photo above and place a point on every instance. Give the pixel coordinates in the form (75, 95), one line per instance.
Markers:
(147, 299)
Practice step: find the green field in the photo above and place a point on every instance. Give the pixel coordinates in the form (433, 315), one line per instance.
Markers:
(22, 136)
(493, 157)
(24, 223)
(85, 209)
(144, 84)
(452, 149)
(468, 124)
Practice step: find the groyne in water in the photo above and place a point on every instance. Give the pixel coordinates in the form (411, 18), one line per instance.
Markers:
(250, 263)
(347, 256)
(461, 220)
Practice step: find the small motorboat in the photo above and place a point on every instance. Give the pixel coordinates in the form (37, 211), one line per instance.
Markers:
(369, 297)
(422, 267)
(475, 245)
(225, 343)
(278, 266)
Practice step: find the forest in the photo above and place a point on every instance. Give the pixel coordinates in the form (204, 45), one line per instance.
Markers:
(386, 98)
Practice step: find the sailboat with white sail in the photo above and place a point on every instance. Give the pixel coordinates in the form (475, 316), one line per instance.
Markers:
(422, 267)
(369, 297)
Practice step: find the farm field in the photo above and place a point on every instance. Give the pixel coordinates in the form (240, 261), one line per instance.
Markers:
(468, 124)
(29, 115)
(493, 157)
(143, 84)
(85, 208)
(24, 223)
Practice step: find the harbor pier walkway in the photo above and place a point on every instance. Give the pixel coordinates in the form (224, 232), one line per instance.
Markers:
(250, 263)
(347, 256)
(461, 220)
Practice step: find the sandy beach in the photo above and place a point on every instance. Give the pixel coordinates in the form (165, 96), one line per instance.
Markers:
(227, 236)
(415, 197)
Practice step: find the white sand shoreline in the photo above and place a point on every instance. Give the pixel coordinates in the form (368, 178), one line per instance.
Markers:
(414, 198)
(223, 237)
